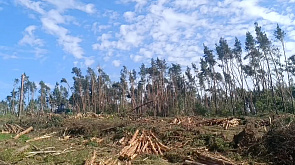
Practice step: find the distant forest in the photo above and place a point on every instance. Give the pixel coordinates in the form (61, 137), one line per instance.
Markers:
(253, 78)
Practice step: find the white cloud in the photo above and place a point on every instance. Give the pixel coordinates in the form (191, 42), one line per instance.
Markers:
(89, 61)
(139, 3)
(29, 37)
(176, 29)
(189, 4)
(129, 16)
(39, 53)
(54, 18)
(7, 56)
(73, 4)
(137, 58)
(97, 28)
(36, 6)
(116, 63)
(252, 10)
(169, 29)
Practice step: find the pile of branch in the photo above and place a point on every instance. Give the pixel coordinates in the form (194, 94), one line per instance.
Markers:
(146, 143)
(87, 115)
(203, 156)
(224, 122)
(12, 128)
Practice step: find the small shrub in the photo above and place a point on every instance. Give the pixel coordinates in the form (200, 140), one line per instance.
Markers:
(218, 144)
(174, 157)
(201, 110)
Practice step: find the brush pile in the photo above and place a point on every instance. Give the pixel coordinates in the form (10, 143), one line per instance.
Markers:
(89, 115)
(224, 122)
(144, 143)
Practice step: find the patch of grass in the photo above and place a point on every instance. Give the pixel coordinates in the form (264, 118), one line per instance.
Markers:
(5, 136)
(24, 138)
(8, 155)
(93, 144)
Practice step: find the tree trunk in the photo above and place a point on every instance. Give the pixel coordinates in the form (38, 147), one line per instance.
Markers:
(20, 109)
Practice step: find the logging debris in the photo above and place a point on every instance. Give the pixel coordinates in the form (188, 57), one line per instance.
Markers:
(42, 137)
(91, 161)
(102, 161)
(142, 142)
(49, 150)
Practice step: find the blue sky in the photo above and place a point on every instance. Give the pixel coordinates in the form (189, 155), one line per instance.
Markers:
(46, 38)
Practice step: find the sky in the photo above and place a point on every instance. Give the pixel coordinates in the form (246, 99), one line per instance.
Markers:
(47, 38)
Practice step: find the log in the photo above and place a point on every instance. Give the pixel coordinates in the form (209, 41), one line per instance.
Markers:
(208, 158)
(21, 128)
(144, 147)
(132, 150)
(42, 137)
(163, 147)
(153, 146)
(13, 128)
(159, 148)
(134, 136)
(24, 132)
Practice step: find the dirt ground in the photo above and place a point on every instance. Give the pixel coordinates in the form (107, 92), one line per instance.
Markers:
(100, 139)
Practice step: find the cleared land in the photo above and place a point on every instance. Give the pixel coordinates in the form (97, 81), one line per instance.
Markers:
(107, 139)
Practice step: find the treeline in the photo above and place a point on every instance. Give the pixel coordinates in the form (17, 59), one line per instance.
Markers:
(240, 79)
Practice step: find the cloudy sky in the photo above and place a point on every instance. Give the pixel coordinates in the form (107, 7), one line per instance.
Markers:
(46, 38)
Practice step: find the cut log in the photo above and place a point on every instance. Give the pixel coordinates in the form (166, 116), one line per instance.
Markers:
(134, 136)
(24, 132)
(205, 157)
